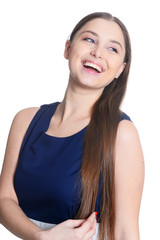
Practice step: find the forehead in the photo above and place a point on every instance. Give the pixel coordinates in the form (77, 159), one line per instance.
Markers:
(104, 28)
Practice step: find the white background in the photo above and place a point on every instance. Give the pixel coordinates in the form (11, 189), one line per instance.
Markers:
(33, 72)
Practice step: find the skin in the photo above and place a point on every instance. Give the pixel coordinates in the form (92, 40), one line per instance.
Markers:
(71, 116)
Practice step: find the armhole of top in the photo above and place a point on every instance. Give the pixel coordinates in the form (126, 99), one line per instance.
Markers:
(34, 121)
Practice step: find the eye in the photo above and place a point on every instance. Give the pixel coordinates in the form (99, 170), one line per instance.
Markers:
(89, 40)
(113, 49)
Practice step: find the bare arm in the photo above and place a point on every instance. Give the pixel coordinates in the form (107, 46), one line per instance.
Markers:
(11, 215)
(129, 179)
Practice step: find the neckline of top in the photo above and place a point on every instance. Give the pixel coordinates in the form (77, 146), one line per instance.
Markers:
(65, 137)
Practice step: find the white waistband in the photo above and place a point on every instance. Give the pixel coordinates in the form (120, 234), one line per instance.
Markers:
(46, 226)
(43, 225)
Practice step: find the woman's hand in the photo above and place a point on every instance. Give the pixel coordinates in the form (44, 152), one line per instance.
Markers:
(71, 230)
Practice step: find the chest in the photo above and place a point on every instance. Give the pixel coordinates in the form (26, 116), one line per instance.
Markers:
(49, 168)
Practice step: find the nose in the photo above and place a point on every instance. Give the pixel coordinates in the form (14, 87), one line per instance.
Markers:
(97, 52)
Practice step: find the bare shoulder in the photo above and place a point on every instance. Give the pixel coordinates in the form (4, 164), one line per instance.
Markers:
(23, 118)
(28, 111)
(127, 131)
(128, 142)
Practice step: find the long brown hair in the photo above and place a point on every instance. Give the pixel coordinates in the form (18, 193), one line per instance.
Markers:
(99, 143)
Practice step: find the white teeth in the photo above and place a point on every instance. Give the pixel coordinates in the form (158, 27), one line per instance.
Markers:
(89, 64)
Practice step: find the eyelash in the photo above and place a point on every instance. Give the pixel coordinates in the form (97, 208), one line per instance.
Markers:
(89, 40)
(113, 49)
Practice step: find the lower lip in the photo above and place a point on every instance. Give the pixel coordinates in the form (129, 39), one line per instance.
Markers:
(90, 71)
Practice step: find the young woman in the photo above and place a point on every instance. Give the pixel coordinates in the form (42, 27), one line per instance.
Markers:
(68, 161)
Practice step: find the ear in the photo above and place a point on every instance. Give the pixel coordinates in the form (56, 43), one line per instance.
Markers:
(120, 70)
(67, 48)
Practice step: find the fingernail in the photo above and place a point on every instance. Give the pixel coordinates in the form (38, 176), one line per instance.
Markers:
(96, 215)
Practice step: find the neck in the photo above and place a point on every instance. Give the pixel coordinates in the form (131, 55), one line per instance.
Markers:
(77, 102)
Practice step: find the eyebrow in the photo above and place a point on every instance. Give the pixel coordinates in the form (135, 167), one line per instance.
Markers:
(95, 34)
(113, 41)
(89, 31)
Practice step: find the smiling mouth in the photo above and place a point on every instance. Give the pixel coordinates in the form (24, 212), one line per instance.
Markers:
(92, 66)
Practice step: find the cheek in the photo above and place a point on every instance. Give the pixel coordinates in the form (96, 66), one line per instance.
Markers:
(73, 63)
(112, 71)
(115, 65)
(79, 50)
(74, 55)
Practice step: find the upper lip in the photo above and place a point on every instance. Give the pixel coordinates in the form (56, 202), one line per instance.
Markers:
(95, 63)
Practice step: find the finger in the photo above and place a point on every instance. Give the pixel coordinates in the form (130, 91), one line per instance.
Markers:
(90, 238)
(87, 225)
(90, 234)
(92, 217)
(75, 223)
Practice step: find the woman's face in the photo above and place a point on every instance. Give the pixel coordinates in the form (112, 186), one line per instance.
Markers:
(96, 54)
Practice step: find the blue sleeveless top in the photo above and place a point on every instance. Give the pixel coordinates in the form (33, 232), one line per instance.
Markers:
(47, 178)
